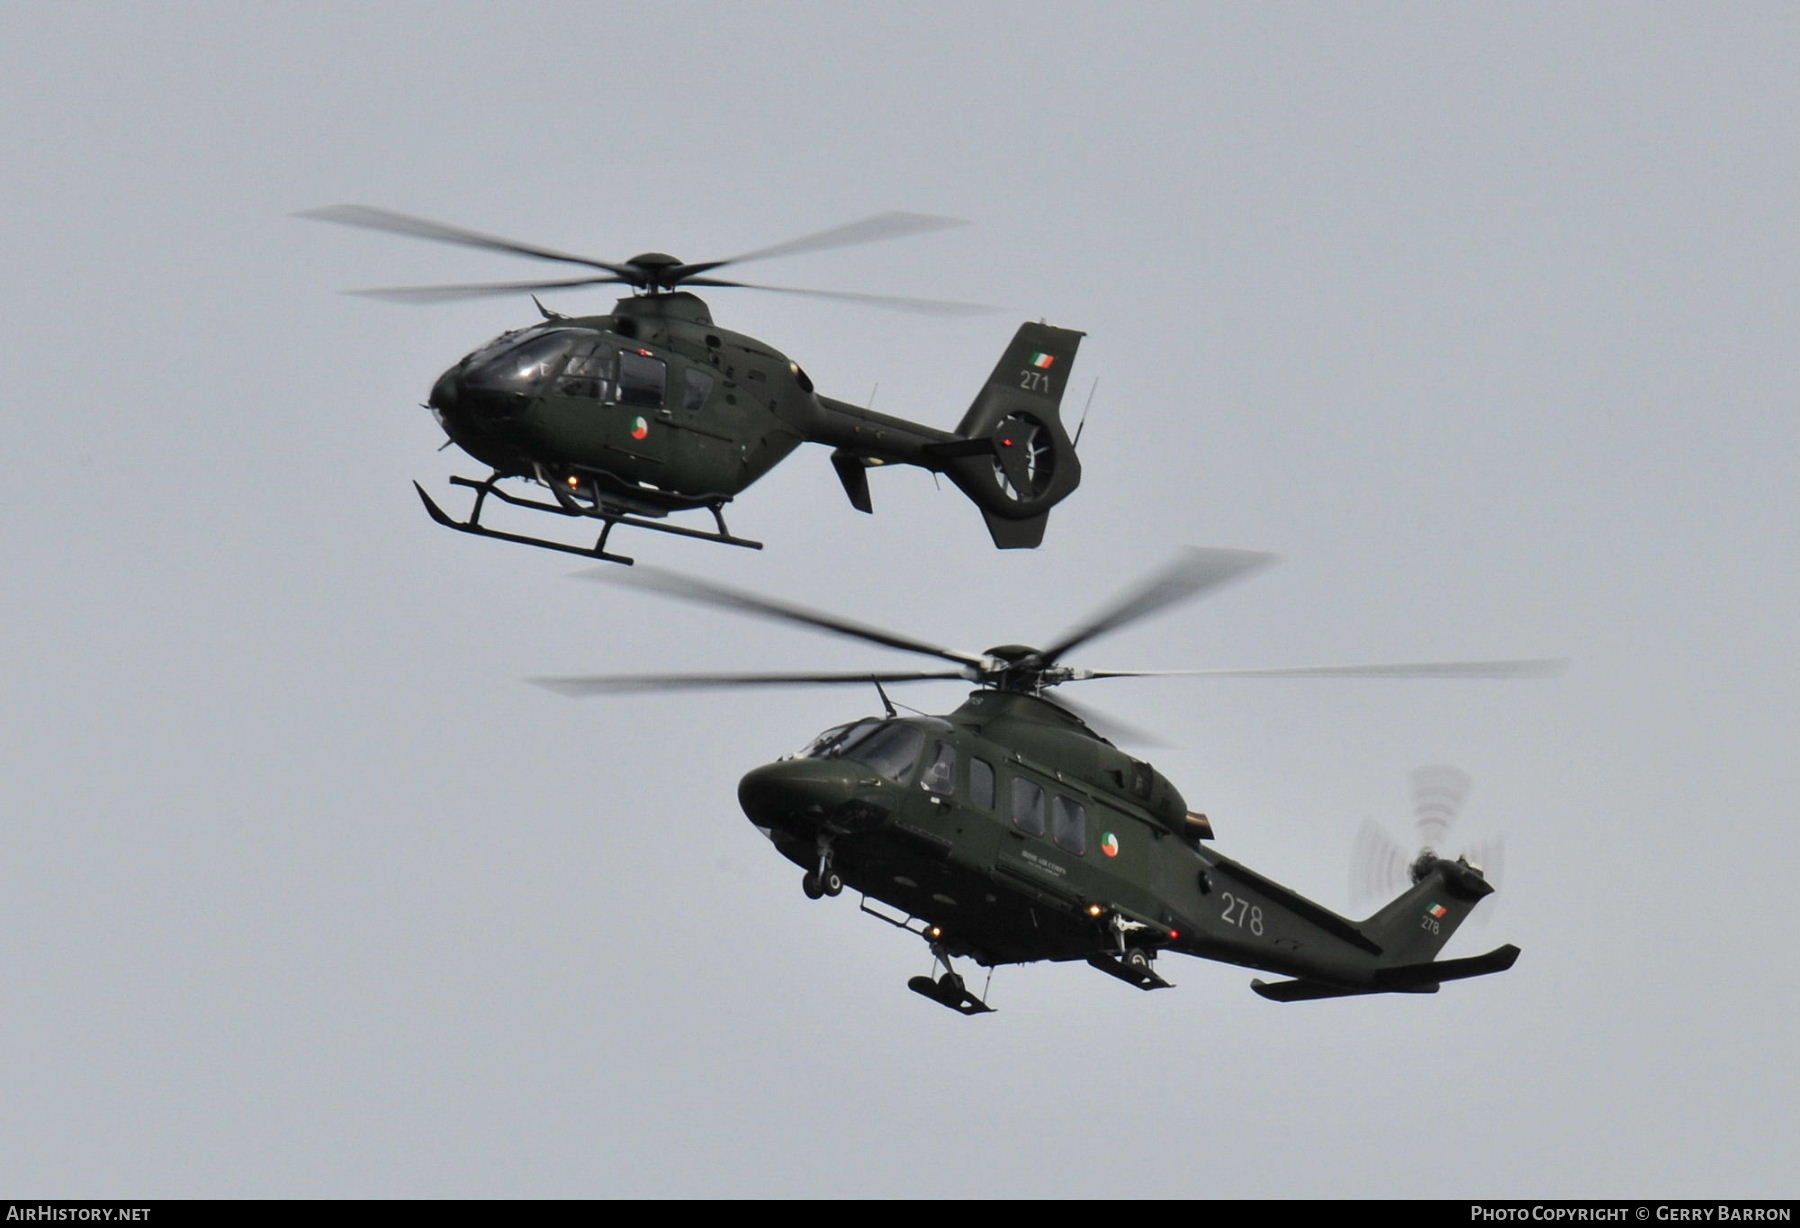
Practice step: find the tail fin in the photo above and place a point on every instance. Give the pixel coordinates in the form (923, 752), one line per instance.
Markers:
(1013, 457)
(1415, 927)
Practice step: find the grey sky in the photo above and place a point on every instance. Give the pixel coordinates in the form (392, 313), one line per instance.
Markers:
(1482, 317)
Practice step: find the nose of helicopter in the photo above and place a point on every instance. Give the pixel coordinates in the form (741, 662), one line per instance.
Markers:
(477, 420)
(798, 795)
(444, 393)
(462, 403)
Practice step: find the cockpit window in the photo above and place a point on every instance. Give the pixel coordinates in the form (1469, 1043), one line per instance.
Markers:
(489, 349)
(889, 747)
(827, 744)
(524, 366)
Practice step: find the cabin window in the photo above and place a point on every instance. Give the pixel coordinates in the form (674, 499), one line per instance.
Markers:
(1069, 823)
(1027, 806)
(981, 783)
(641, 380)
(940, 773)
(699, 387)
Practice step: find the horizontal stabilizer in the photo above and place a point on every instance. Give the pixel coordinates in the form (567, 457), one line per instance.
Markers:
(1411, 976)
(855, 477)
(1408, 978)
(1307, 991)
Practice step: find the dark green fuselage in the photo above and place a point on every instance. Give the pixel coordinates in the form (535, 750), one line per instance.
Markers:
(655, 401)
(1022, 835)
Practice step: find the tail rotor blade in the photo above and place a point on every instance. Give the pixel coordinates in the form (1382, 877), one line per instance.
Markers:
(1438, 794)
(1378, 865)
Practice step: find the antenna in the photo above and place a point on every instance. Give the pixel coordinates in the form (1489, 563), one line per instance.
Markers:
(1082, 425)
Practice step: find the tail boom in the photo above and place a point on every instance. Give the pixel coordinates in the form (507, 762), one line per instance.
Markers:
(1010, 454)
(1393, 951)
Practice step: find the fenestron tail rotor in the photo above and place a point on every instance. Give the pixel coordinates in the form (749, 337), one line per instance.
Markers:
(1016, 668)
(647, 272)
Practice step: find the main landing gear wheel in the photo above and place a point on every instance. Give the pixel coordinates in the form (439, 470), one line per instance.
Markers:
(1137, 961)
(816, 885)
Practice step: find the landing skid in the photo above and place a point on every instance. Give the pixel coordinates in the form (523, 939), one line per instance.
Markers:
(946, 990)
(1133, 968)
(610, 519)
(949, 990)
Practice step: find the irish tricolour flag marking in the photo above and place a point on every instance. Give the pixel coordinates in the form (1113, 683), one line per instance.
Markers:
(1042, 361)
(1437, 910)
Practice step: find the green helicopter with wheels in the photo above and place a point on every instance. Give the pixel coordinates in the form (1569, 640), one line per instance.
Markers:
(653, 409)
(1013, 830)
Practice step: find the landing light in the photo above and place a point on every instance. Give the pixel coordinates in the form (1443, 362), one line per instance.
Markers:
(934, 932)
(574, 482)
(1095, 910)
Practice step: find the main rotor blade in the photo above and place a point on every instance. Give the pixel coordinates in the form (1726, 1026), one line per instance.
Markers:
(621, 684)
(444, 294)
(1193, 573)
(1547, 668)
(369, 218)
(706, 593)
(922, 306)
(882, 226)
(1110, 727)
